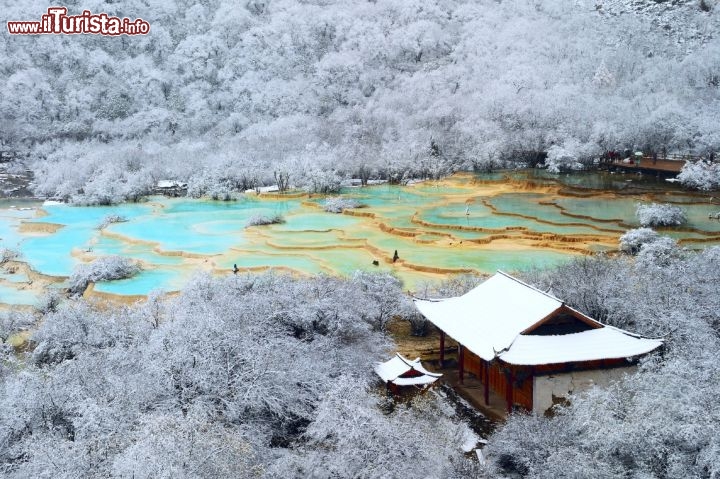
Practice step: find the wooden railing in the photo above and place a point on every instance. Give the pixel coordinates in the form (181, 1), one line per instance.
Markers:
(669, 164)
(7, 155)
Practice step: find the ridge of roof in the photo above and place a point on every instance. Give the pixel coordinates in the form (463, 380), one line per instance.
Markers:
(500, 307)
(507, 275)
(407, 361)
(530, 286)
(417, 366)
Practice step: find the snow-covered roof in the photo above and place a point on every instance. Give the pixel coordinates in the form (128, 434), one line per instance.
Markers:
(591, 345)
(170, 184)
(416, 381)
(264, 189)
(393, 370)
(490, 319)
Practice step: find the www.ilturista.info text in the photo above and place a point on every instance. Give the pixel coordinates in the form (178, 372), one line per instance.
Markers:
(57, 21)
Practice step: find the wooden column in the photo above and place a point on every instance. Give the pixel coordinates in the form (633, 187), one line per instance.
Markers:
(461, 362)
(486, 382)
(442, 348)
(532, 388)
(509, 390)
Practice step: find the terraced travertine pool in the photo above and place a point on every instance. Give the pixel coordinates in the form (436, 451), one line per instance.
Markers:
(509, 221)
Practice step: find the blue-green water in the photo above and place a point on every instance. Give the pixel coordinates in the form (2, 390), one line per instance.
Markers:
(504, 221)
(9, 294)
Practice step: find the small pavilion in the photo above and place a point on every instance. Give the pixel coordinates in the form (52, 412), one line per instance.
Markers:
(400, 371)
(528, 346)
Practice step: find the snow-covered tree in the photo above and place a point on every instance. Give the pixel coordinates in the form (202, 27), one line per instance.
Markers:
(700, 175)
(634, 239)
(337, 204)
(102, 269)
(248, 375)
(571, 155)
(323, 92)
(656, 214)
(264, 220)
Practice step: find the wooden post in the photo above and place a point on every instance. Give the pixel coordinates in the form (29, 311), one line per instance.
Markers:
(461, 362)
(442, 348)
(532, 388)
(486, 382)
(509, 390)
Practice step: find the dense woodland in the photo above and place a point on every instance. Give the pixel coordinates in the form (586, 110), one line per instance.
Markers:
(271, 376)
(246, 376)
(227, 96)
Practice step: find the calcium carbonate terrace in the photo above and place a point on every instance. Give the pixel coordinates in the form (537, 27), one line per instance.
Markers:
(508, 221)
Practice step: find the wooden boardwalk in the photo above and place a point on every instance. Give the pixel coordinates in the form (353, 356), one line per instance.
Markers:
(670, 165)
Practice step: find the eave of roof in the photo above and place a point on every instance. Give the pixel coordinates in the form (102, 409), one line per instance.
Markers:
(490, 321)
(590, 345)
(393, 369)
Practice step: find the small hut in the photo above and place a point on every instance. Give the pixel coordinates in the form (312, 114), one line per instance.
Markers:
(170, 188)
(400, 372)
(529, 347)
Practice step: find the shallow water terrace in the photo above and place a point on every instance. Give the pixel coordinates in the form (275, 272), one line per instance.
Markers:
(509, 221)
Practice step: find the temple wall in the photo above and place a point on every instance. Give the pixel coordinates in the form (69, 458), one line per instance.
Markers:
(553, 388)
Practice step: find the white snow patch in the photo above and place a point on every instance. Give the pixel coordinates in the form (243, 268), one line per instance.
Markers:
(165, 184)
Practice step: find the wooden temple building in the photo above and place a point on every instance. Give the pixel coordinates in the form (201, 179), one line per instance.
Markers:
(528, 346)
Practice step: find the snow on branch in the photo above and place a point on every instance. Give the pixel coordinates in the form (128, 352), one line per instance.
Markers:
(337, 204)
(110, 219)
(656, 214)
(634, 239)
(8, 254)
(700, 175)
(102, 269)
(262, 220)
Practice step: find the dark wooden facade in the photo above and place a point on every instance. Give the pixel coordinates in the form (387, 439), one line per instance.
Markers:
(515, 383)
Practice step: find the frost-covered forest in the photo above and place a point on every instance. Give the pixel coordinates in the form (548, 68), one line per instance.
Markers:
(271, 376)
(247, 376)
(224, 95)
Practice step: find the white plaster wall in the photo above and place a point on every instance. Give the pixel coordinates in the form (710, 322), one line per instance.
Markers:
(563, 385)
